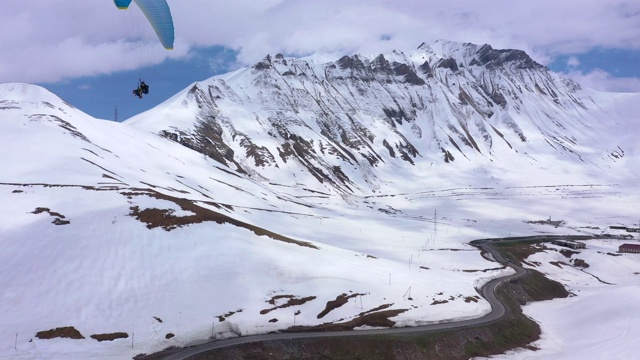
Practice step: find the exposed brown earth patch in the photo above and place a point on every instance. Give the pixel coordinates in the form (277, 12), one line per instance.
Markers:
(334, 304)
(58, 221)
(110, 337)
(59, 218)
(558, 263)
(224, 317)
(568, 253)
(61, 332)
(293, 301)
(580, 263)
(169, 336)
(438, 302)
(469, 299)
(40, 210)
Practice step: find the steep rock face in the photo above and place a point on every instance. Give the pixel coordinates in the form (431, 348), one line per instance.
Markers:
(337, 121)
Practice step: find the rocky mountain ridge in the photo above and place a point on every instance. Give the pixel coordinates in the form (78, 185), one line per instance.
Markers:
(341, 120)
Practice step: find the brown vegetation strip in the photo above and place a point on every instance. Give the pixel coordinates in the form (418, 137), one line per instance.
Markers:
(485, 270)
(438, 302)
(110, 337)
(165, 219)
(61, 332)
(381, 307)
(377, 319)
(334, 304)
(293, 301)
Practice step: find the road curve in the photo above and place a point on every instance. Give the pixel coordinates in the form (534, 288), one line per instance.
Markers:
(488, 291)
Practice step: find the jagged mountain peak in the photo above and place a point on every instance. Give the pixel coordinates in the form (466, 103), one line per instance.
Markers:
(469, 54)
(412, 65)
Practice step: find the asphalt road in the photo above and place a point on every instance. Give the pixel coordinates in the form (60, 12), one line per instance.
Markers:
(488, 291)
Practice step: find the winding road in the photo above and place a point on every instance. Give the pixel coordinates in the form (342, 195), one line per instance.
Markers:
(488, 291)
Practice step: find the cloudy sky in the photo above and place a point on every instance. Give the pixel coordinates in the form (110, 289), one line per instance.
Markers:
(92, 54)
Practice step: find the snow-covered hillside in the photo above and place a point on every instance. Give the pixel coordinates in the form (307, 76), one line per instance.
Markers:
(271, 193)
(601, 320)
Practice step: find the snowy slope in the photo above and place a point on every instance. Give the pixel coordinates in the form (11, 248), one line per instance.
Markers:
(266, 186)
(105, 271)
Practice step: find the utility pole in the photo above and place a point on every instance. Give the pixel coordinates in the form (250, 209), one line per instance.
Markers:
(435, 223)
(407, 292)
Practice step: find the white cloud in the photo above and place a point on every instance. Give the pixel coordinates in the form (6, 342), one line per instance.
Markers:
(573, 62)
(57, 39)
(603, 81)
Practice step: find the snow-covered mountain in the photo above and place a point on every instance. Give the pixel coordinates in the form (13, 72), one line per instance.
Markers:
(349, 123)
(277, 190)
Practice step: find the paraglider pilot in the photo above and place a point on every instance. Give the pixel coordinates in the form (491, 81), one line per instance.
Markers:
(143, 88)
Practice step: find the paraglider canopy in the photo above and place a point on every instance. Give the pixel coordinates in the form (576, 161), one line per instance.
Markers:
(159, 16)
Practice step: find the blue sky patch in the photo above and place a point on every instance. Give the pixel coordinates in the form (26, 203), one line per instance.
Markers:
(617, 62)
(99, 96)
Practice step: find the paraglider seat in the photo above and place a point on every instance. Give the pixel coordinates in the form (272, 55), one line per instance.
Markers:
(143, 88)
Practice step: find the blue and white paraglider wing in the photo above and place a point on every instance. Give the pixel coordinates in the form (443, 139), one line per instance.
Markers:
(159, 16)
